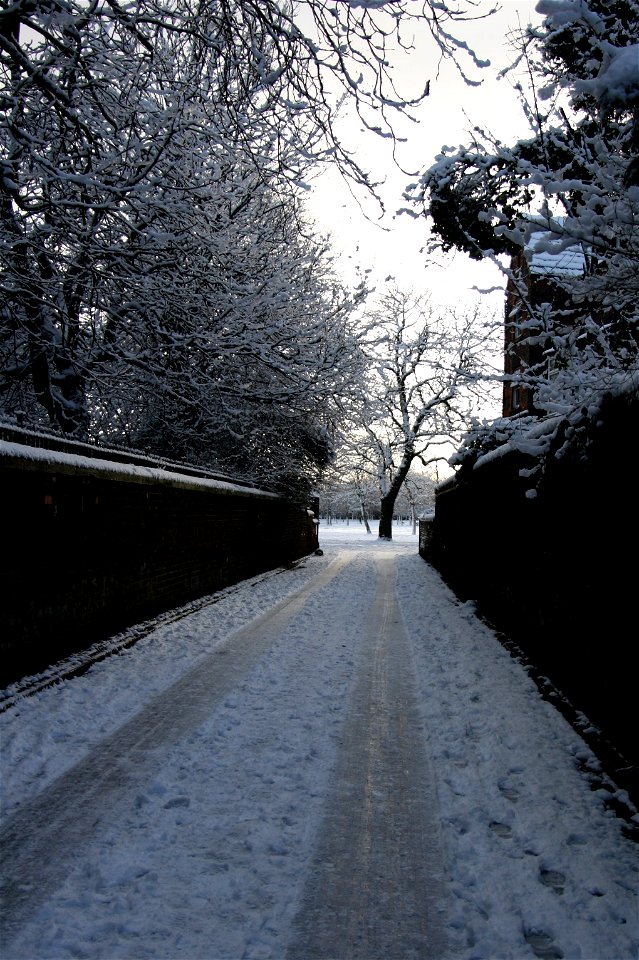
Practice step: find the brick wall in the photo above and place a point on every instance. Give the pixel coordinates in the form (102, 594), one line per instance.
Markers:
(91, 547)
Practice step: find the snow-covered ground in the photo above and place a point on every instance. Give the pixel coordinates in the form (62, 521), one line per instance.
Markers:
(167, 803)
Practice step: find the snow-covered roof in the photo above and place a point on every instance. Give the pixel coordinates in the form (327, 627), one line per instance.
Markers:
(548, 255)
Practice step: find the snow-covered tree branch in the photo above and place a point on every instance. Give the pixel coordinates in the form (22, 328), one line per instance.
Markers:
(573, 185)
(159, 283)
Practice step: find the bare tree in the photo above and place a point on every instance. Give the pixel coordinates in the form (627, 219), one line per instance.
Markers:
(416, 496)
(427, 376)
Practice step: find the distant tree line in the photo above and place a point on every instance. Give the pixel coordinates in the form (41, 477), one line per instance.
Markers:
(350, 500)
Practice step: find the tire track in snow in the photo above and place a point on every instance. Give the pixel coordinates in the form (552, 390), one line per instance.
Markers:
(375, 890)
(37, 843)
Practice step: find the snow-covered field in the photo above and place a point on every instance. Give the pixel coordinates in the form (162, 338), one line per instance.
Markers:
(166, 804)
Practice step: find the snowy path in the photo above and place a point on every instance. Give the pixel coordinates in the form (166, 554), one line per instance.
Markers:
(33, 861)
(376, 884)
(333, 761)
(379, 822)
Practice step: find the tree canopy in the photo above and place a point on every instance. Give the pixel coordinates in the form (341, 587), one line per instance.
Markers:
(160, 285)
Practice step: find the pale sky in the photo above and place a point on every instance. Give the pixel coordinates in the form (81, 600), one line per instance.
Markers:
(447, 115)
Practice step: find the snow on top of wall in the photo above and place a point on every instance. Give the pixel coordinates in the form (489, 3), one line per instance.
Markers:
(533, 436)
(114, 469)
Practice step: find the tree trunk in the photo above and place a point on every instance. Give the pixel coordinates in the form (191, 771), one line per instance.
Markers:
(365, 516)
(388, 501)
(386, 514)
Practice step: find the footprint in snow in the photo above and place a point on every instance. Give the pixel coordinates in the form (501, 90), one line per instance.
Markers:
(501, 829)
(553, 879)
(509, 792)
(542, 945)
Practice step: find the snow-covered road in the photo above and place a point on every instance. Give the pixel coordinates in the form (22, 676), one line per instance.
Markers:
(337, 760)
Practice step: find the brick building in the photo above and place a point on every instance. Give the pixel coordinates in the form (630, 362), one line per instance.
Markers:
(537, 299)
